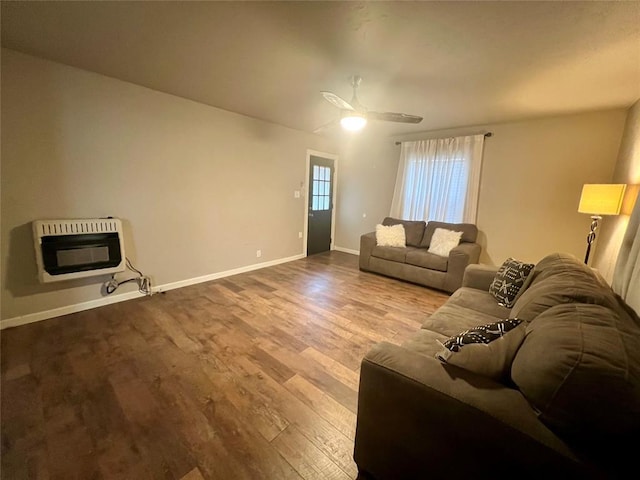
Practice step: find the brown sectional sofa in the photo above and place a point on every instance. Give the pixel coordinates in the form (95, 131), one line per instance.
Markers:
(414, 263)
(569, 406)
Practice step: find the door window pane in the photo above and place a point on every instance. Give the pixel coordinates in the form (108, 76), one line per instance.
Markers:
(321, 188)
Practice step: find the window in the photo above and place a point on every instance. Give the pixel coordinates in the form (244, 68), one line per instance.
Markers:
(321, 188)
(445, 196)
(439, 180)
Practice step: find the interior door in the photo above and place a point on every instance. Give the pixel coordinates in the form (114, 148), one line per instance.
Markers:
(320, 205)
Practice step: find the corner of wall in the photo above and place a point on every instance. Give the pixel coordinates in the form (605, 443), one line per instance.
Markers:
(627, 170)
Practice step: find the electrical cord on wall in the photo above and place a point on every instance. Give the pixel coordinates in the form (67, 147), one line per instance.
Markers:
(143, 281)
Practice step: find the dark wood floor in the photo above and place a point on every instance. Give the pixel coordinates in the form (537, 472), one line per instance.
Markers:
(248, 377)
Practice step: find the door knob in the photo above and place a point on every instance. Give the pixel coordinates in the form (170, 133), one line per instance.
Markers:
(311, 214)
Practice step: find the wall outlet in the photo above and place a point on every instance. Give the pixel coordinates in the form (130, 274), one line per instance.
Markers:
(296, 194)
(258, 253)
(299, 234)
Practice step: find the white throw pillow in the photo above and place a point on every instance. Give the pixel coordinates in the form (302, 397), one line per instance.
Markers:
(443, 241)
(391, 236)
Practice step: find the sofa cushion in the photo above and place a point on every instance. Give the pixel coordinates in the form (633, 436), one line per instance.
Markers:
(443, 241)
(414, 229)
(562, 263)
(469, 231)
(509, 280)
(562, 279)
(451, 319)
(391, 236)
(479, 301)
(422, 258)
(426, 342)
(487, 349)
(395, 254)
(579, 366)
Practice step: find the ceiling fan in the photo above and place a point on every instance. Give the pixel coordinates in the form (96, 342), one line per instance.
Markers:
(354, 115)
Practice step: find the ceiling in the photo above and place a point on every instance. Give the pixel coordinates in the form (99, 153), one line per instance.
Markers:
(454, 63)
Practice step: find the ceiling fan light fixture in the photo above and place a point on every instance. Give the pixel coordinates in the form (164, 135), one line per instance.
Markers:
(354, 116)
(353, 121)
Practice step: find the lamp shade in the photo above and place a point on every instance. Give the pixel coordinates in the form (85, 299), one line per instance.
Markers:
(601, 199)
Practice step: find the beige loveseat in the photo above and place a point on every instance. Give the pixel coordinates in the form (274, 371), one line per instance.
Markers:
(565, 404)
(413, 262)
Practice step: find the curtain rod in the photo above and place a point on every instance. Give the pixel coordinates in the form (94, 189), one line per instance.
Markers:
(488, 134)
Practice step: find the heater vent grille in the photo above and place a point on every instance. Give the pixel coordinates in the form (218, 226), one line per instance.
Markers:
(76, 227)
(77, 248)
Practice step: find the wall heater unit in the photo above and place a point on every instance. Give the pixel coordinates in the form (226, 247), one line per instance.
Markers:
(68, 249)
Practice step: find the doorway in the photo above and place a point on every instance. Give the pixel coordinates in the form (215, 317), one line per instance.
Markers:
(320, 203)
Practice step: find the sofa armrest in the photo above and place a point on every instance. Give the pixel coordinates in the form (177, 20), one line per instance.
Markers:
(416, 415)
(464, 254)
(367, 242)
(479, 276)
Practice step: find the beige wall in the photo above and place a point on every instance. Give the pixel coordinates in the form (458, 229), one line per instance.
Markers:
(368, 166)
(532, 176)
(627, 170)
(199, 189)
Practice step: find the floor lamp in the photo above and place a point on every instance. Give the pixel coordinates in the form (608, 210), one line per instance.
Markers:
(598, 200)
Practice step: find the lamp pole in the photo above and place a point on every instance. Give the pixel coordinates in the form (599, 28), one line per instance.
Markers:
(591, 236)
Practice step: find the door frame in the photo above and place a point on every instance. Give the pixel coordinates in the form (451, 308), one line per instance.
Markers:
(307, 192)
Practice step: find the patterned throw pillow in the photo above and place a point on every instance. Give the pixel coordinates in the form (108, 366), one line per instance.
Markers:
(481, 334)
(509, 280)
(487, 350)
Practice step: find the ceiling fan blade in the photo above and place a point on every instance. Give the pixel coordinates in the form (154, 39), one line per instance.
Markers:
(394, 117)
(337, 101)
(326, 126)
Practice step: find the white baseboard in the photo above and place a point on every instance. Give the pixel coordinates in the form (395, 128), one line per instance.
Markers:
(79, 307)
(226, 273)
(58, 312)
(347, 250)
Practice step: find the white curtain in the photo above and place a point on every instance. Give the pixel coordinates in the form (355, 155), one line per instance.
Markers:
(439, 179)
(626, 277)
